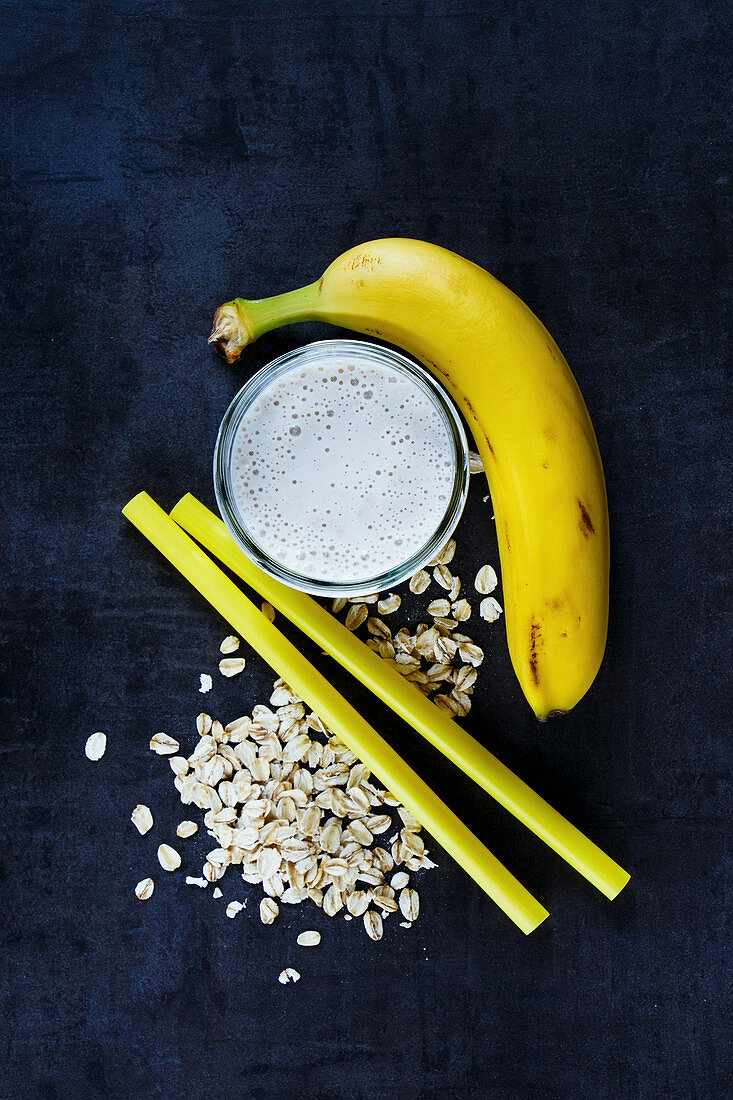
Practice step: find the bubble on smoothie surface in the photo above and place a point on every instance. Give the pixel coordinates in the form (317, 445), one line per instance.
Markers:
(342, 470)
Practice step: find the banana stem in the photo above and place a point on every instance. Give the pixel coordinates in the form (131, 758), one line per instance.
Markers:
(244, 320)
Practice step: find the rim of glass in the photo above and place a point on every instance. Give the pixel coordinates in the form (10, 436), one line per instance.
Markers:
(251, 390)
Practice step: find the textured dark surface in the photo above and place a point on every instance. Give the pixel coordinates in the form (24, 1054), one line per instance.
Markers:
(161, 157)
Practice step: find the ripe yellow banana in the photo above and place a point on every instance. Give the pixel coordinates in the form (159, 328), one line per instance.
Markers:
(530, 424)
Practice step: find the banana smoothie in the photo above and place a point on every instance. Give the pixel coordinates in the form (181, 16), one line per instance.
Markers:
(339, 464)
(342, 470)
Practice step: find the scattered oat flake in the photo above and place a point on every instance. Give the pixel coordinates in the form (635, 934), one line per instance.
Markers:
(390, 605)
(191, 880)
(230, 644)
(461, 610)
(420, 582)
(163, 744)
(142, 819)
(206, 683)
(438, 608)
(144, 889)
(490, 609)
(269, 910)
(409, 820)
(288, 975)
(405, 924)
(233, 908)
(357, 903)
(384, 900)
(186, 829)
(443, 576)
(464, 678)
(373, 924)
(471, 654)
(462, 703)
(378, 628)
(475, 463)
(96, 746)
(168, 858)
(409, 904)
(231, 666)
(356, 615)
(179, 765)
(203, 724)
(282, 695)
(308, 939)
(268, 611)
(216, 893)
(486, 580)
(444, 556)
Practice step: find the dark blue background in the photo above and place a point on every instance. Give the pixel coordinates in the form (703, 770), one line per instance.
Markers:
(161, 157)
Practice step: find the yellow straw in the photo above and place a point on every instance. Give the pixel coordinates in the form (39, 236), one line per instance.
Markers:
(407, 701)
(336, 713)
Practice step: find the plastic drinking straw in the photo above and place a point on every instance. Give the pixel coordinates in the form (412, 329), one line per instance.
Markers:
(335, 712)
(408, 701)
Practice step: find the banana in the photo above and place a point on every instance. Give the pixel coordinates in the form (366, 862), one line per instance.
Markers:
(529, 421)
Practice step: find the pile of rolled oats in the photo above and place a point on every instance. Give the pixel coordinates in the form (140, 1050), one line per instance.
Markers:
(438, 657)
(291, 807)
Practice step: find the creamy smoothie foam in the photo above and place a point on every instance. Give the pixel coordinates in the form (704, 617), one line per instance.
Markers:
(342, 469)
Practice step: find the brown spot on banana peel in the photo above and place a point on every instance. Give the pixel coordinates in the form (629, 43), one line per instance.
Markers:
(469, 406)
(535, 644)
(586, 524)
(363, 261)
(436, 369)
(577, 413)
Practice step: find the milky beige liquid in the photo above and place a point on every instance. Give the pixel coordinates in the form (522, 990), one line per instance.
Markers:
(342, 470)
